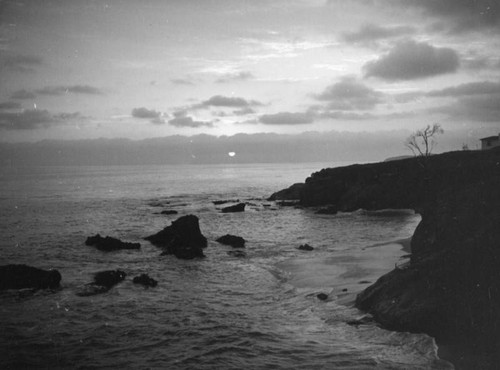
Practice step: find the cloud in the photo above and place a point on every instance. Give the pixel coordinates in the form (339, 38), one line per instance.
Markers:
(460, 15)
(410, 60)
(468, 89)
(286, 118)
(182, 81)
(22, 95)
(22, 63)
(145, 113)
(478, 101)
(350, 94)
(232, 77)
(244, 111)
(479, 108)
(370, 33)
(189, 122)
(31, 119)
(231, 102)
(75, 89)
(181, 119)
(9, 105)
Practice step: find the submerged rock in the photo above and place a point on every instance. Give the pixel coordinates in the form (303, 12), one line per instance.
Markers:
(305, 247)
(103, 281)
(145, 280)
(232, 240)
(237, 253)
(169, 212)
(24, 276)
(322, 296)
(240, 207)
(182, 238)
(109, 244)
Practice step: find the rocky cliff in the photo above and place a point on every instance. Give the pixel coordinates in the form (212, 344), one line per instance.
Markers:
(451, 289)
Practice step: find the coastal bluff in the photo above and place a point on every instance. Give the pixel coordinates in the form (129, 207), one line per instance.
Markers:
(451, 287)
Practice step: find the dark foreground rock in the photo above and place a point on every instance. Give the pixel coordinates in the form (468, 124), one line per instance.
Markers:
(451, 287)
(182, 238)
(103, 282)
(108, 244)
(145, 280)
(232, 240)
(23, 276)
(240, 207)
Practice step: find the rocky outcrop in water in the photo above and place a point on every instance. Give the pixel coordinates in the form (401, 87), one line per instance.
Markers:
(232, 240)
(240, 207)
(23, 276)
(451, 287)
(145, 280)
(103, 282)
(305, 247)
(182, 238)
(109, 244)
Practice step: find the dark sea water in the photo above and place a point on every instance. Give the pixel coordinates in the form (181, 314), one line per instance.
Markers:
(221, 312)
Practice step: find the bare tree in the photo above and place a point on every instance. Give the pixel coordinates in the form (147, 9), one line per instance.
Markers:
(423, 141)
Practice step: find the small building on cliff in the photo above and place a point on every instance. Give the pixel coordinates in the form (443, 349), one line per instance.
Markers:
(490, 142)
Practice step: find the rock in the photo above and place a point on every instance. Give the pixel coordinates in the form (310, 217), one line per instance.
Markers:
(322, 296)
(219, 202)
(240, 207)
(108, 243)
(363, 320)
(103, 282)
(330, 210)
(145, 280)
(169, 212)
(232, 240)
(305, 247)
(288, 203)
(451, 287)
(182, 238)
(23, 276)
(291, 193)
(237, 253)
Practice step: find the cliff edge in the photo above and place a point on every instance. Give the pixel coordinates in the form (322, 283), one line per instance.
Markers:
(451, 288)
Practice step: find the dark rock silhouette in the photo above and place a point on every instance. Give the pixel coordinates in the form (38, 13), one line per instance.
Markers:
(224, 201)
(330, 210)
(237, 253)
(305, 247)
(103, 282)
(232, 240)
(182, 238)
(109, 244)
(169, 212)
(23, 276)
(145, 280)
(240, 207)
(322, 296)
(288, 203)
(451, 287)
(291, 193)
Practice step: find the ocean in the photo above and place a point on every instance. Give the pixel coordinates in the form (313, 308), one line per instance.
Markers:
(221, 312)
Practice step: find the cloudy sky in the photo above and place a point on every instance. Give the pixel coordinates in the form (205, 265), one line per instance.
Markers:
(87, 69)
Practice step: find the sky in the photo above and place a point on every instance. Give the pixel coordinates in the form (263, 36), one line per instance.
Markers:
(75, 69)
